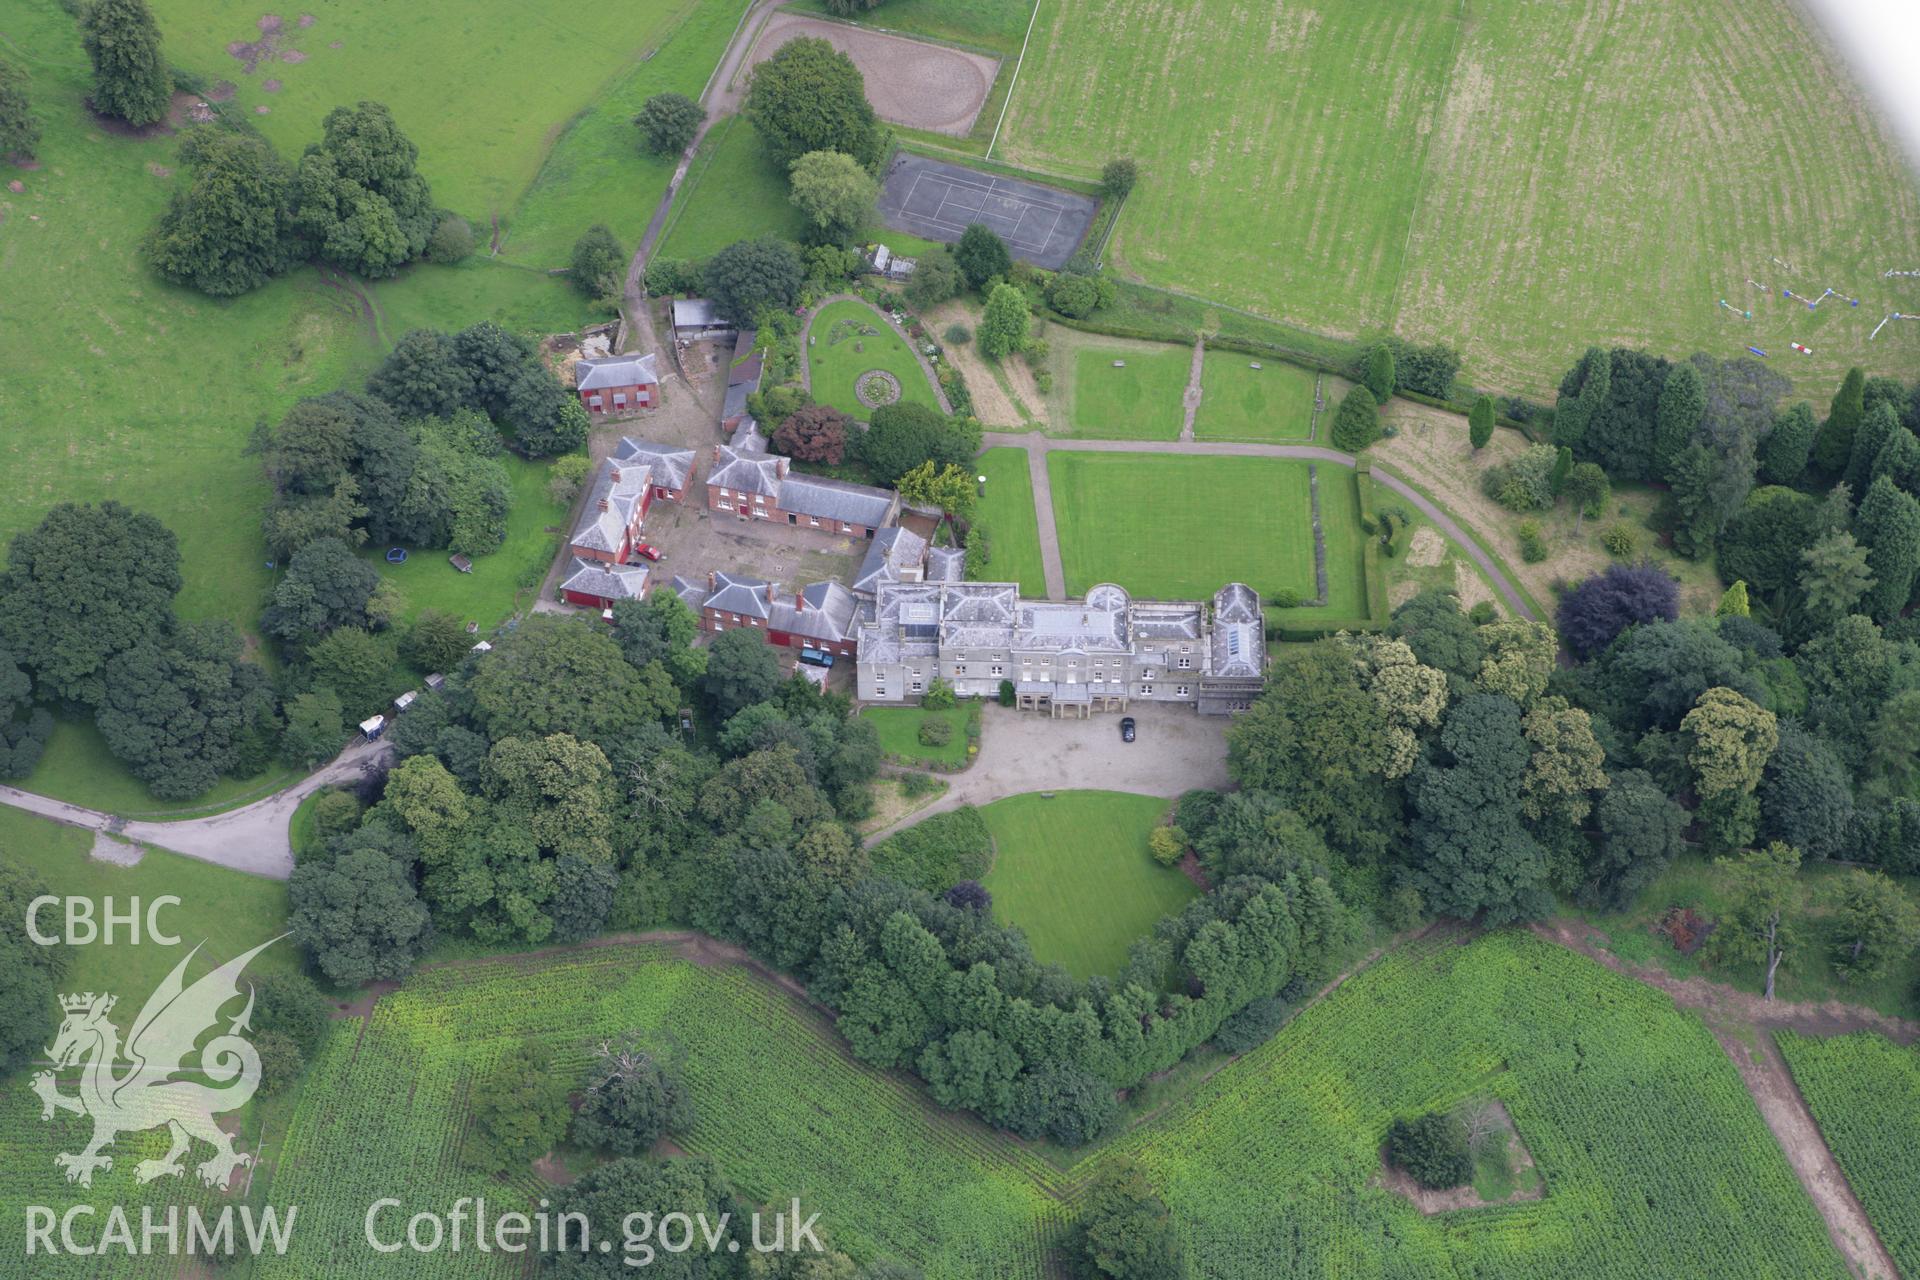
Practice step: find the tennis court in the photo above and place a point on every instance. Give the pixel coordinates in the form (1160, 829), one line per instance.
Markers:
(937, 201)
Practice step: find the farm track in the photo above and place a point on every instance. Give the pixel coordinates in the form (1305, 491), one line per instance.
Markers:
(1764, 1073)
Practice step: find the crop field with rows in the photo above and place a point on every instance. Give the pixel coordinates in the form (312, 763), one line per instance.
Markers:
(1865, 1092)
(781, 1106)
(1655, 1161)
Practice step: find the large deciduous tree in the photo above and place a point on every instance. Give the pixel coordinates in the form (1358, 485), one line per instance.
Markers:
(629, 1099)
(358, 916)
(325, 586)
(359, 195)
(24, 728)
(519, 1111)
(741, 670)
(131, 81)
(1730, 741)
(1600, 608)
(1124, 1231)
(566, 675)
(85, 584)
(814, 433)
(749, 276)
(668, 123)
(598, 264)
(230, 228)
(1641, 831)
(834, 192)
(1005, 322)
(1473, 854)
(982, 256)
(810, 97)
(179, 710)
(1876, 925)
(903, 435)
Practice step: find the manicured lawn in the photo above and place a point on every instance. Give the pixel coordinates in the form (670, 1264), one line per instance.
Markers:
(1008, 516)
(488, 594)
(1140, 401)
(899, 730)
(849, 339)
(1239, 402)
(1354, 167)
(1074, 873)
(228, 910)
(1179, 527)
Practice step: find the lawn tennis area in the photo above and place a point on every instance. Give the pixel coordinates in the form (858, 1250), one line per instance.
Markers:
(1006, 513)
(848, 344)
(1246, 399)
(937, 200)
(1176, 527)
(1119, 390)
(1073, 872)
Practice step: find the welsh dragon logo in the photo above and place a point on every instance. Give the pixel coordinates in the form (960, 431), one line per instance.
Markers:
(146, 1094)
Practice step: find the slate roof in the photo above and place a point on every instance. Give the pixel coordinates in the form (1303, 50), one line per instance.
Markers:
(745, 472)
(611, 502)
(611, 581)
(672, 465)
(836, 500)
(1239, 633)
(892, 552)
(615, 371)
(696, 313)
(946, 564)
(748, 597)
(694, 594)
(746, 437)
(831, 613)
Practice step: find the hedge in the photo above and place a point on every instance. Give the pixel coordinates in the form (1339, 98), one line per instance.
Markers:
(1373, 571)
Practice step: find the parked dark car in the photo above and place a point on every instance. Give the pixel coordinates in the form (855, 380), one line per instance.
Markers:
(1126, 728)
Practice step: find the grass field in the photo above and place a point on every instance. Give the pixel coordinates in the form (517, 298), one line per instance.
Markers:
(732, 192)
(835, 366)
(1007, 514)
(899, 730)
(1655, 1160)
(993, 24)
(1239, 402)
(1141, 400)
(1516, 178)
(1073, 872)
(1179, 527)
(78, 768)
(1865, 1091)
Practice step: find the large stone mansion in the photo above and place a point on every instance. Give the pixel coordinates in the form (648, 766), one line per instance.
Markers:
(1066, 658)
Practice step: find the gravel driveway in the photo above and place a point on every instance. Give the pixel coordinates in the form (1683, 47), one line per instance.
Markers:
(1176, 750)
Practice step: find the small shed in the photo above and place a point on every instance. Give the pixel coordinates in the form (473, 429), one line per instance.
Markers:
(697, 318)
(460, 562)
(483, 647)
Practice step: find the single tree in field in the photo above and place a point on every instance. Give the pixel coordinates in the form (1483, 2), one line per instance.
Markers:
(814, 433)
(1833, 447)
(1357, 422)
(629, 1100)
(519, 1111)
(810, 97)
(19, 131)
(1480, 422)
(1757, 928)
(748, 275)
(1876, 924)
(668, 122)
(982, 256)
(1379, 379)
(835, 193)
(359, 195)
(130, 77)
(1124, 1231)
(1005, 322)
(599, 263)
(451, 241)
(1117, 178)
